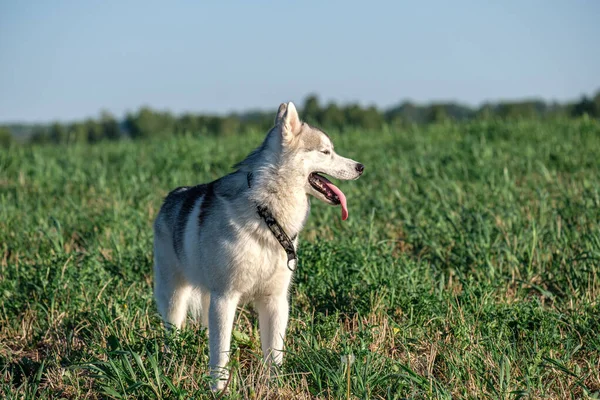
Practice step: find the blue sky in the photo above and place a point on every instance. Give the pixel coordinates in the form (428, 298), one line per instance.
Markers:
(66, 60)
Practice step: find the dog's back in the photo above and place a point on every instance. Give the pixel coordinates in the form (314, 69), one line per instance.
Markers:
(172, 219)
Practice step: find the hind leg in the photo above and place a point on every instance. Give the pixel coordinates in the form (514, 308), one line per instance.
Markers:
(205, 308)
(199, 304)
(171, 293)
(173, 305)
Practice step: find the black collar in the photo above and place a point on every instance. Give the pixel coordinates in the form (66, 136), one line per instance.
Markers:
(282, 237)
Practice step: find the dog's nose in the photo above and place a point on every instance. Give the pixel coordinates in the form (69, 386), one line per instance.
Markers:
(360, 168)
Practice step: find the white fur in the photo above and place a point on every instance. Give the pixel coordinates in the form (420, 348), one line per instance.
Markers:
(232, 257)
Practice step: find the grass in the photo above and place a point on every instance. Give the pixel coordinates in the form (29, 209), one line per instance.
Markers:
(469, 268)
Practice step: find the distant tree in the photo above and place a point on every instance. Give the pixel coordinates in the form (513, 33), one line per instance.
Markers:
(213, 125)
(486, 111)
(77, 133)
(311, 112)
(6, 139)
(408, 112)
(39, 135)
(188, 123)
(256, 121)
(585, 107)
(556, 110)
(437, 113)
(372, 119)
(369, 118)
(353, 115)
(521, 109)
(94, 130)
(333, 117)
(109, 126)
(148, 123)
(131, 126)
(228, 125)
(58, 133)
(459, 112)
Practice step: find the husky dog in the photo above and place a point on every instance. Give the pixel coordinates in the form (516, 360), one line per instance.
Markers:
(233, 240)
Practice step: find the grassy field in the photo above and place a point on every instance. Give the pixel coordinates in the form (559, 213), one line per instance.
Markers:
(469, 268)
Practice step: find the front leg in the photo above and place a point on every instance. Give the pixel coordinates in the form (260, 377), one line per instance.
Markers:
(273, 314)
(221, 314)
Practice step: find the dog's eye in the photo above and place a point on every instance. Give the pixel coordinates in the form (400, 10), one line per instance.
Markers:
(326, 152)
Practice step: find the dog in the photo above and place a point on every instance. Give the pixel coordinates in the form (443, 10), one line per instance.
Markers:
(234, 240)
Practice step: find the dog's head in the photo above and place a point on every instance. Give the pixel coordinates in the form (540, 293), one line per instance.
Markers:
(312, 152)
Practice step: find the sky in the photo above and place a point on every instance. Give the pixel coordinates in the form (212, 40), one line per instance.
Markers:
(67, 60)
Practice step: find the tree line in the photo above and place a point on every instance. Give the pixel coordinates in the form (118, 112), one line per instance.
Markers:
(147, 123)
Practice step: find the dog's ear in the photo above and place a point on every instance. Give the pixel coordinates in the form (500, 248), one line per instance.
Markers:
(290, 124)
(280, 112)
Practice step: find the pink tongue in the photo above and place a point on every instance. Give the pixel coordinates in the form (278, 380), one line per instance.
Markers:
(342, 198)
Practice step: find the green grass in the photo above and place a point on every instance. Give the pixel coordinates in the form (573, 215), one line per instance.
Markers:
(469, 268)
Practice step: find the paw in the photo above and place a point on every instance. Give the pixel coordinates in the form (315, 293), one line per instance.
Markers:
(220, 380)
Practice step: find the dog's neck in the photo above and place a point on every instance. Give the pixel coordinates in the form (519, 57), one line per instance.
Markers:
(281, 190)
(277, 184)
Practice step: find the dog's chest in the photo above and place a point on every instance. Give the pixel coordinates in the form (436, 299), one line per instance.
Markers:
(262, 268)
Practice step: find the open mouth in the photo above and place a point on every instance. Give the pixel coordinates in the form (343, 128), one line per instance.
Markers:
(331, 192)
(323, 186)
